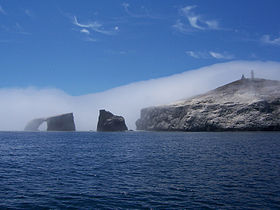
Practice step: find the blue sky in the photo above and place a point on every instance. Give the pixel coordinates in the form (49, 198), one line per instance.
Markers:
(90, 46)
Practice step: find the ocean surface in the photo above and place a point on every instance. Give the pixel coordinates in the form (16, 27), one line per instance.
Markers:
(135, 170)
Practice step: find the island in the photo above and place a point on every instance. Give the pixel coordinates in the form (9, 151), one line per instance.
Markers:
(243, 105)
(108, 122)
(64, 122)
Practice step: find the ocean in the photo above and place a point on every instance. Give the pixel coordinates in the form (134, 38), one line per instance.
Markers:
(136, 170)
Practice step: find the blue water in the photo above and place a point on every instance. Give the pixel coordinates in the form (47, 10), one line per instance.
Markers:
(84, 170)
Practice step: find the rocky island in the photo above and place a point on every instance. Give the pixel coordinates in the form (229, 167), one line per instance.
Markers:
(109, 122)
(243, 105)
(64, 122)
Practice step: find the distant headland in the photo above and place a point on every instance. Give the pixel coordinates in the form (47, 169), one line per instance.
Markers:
(244, 105)
(248, 104)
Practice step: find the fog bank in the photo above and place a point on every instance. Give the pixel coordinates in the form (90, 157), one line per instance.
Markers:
(18, 106)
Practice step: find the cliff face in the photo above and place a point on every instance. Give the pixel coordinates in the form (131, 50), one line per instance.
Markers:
(64, 122)
(243, 105)
(109, 122)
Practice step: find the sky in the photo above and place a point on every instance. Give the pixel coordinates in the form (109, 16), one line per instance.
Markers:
(60, 56)
(90, 46)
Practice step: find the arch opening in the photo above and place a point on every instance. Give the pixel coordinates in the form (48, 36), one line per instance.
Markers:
(34, 125)
(43, 126)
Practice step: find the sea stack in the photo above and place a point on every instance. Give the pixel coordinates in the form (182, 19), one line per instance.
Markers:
(108, 122)
(244, 105)
(64, 122)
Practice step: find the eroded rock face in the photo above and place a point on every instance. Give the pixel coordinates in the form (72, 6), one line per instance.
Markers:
(64, 122)
(109, 122)
(244, 105)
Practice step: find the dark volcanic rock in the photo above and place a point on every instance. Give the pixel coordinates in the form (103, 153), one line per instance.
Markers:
(64, 122)
(109, 122)
(243, 105)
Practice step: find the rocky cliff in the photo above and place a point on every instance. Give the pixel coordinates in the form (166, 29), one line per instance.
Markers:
(64, 122)
(109, 122)
(243, 105)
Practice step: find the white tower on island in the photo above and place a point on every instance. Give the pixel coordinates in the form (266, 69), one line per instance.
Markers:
(252, 75)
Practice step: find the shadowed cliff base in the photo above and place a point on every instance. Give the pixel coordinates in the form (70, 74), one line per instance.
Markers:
(64, 122)
(243, 105)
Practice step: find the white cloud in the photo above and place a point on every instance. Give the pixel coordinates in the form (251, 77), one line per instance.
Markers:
(19, 29)
(195, 21)
(94, 26)
(143, 13)
(2, 11)
(90, 39)
(212, 24)
(125, 6)
(180, 26)
(196, 54)
(210, 54)
(84, 31)
(221, 55)
(18, 106)
(116, 52)
(268, 40)
(28, 13)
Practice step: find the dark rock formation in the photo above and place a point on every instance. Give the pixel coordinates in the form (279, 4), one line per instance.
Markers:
(64, 122)
(109, 122)
(243, 105)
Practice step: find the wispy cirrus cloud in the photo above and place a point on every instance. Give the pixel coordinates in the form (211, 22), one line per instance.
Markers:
(84, 31)
(14, 28)
(142, 13)
(217, 55)
(2, 11)
(180, 26)
(94, 26)
(90, 39)
(209, 55)
(197, 55)
(266, 39)
(194, 21)
(28, 13)
(20, 30)
(126, 7)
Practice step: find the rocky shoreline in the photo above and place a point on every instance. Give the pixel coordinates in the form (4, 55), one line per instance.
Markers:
(243, 105)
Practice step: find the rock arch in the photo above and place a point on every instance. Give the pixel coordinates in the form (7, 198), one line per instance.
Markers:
(64, 122)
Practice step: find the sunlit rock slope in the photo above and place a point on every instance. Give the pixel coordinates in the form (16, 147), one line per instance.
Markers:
(243, 105)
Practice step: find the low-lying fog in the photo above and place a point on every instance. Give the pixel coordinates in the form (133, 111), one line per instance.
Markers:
(19, 106)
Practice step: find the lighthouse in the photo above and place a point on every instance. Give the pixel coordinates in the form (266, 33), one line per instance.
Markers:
(252, 75)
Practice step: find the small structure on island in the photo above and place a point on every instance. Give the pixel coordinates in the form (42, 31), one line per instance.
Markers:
(64, 122)
(109, 122)
(252, 75)
(243, 77)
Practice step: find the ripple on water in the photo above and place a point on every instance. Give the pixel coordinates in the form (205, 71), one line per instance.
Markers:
(139, 170)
